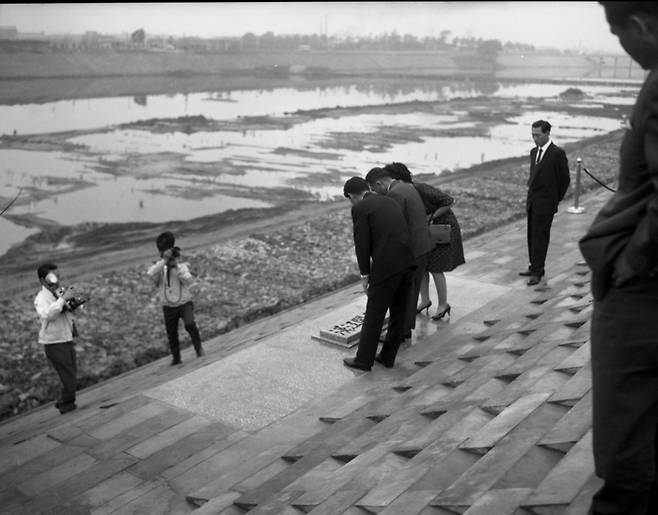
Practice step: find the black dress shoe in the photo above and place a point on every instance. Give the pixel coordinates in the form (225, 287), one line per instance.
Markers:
(526, 273)
(353, 363)
(379, 359)
(65, 408)
(534, 279)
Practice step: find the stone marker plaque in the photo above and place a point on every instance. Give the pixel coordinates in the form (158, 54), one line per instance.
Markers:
(345, 334)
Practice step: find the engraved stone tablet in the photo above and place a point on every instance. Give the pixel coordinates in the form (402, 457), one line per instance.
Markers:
(345, 334)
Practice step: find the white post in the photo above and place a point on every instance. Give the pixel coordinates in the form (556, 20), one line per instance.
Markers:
(576, 209)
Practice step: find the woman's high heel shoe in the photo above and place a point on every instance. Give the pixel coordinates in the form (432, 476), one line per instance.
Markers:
(446, 311)
(426, 307)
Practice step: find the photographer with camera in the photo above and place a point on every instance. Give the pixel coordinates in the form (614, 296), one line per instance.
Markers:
(55, 305)
(173, 278)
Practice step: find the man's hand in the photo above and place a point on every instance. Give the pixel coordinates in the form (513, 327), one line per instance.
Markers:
(166, 255)
(69, 293)
(622, 271)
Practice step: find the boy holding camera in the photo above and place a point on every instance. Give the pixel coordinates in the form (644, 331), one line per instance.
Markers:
(173, 278)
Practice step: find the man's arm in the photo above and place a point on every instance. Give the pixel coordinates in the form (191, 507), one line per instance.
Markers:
(362, 244)
(640, 257)
(48, 309)
(563, 176)
(155, 270)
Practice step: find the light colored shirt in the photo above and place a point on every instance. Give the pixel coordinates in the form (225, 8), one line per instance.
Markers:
(56, 324)
(543, 151)
(173, 282)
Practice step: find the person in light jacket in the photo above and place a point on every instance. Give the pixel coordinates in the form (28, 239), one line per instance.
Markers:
(55, 306)
(173, 278)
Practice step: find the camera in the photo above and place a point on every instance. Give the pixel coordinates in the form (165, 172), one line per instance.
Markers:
(175, 252)
(76, 301)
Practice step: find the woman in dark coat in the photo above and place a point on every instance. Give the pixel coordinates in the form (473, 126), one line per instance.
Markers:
(444, 257)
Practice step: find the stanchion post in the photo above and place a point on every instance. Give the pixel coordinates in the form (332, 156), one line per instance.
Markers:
(576, 209)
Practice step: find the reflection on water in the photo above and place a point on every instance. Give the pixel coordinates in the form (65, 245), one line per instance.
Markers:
(312, 156)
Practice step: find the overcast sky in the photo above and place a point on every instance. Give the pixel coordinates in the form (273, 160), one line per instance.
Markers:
(557, 24)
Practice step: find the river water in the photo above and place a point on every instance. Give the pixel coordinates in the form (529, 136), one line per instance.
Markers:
(69, 187)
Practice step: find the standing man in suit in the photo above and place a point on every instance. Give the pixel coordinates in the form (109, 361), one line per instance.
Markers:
(381, 243)
(547, 185)
(621, 248)
(407, 197)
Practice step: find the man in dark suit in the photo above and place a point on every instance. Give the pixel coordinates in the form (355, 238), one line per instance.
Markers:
(621, 248)
(407, 197)
(547, 185)
(383, 251)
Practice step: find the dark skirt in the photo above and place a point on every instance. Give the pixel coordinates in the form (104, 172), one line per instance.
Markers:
(447, 257)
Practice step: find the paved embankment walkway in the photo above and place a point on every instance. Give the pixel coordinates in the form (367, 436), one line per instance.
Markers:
(486, 414)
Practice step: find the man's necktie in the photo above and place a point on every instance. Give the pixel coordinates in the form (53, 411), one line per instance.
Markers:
(538, 156)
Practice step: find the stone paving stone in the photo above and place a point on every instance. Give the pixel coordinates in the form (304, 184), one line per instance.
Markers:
(564, 482)
(363, 471)
(136, 431)
(14, 455)
(492, 466)
(500, 502)
(51, 477)
(103, 416)
(47, 461)
(202, 455)
(130, 419)
(504, 422)
(575, 388)
(571, 427)
(179, 451)
(576, 360)
(339, 502)
(120, 501)
(227, 468)
(74, 485)
(167, 437)
(260, 493)
(409, 503)
(534, 380)
(219, 503)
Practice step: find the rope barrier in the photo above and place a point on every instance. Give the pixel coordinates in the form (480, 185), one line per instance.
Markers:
(597, 180)
(576, 209)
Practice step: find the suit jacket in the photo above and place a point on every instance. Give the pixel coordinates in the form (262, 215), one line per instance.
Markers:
(381, 238)
(408, 198)
(628, 223)
(548, 181)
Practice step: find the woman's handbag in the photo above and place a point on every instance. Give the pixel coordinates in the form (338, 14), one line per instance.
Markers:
(440, 234)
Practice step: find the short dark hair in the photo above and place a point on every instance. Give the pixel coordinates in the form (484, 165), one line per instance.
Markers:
(44, 269)
(543, 125)
(618, 13)
(399, 171)
(355, 185)
(165, 241)
(377, 173)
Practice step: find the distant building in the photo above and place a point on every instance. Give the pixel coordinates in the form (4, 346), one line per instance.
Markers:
(8, 32)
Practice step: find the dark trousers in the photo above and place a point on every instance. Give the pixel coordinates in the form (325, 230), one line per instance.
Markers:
(62, 358)
(539, 236)
(171, 317)
(391, 294)
(625, 399)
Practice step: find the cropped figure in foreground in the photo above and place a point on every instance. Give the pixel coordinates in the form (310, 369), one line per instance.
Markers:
(55, 306)
(443, 257)
(381, 181)
(547, 184)
(383, 252)
(173, 278)
(621, 247)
